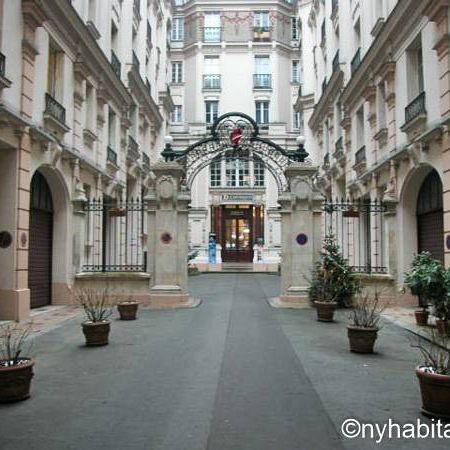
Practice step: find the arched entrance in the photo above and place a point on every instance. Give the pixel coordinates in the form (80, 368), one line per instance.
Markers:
(430, 221)
(41, 242)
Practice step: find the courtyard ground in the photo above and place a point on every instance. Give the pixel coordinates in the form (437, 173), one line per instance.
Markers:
(232, 374)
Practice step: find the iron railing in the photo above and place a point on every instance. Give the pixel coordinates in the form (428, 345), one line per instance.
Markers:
(358, 228)
(324, 85)
(356, 61)
(360, 155)
(323, 36)
(2, 65)
(54, 109)
(212, 34)
(211, 81)
(415, 108)
(135, 60)
(149, 86)
(145, 160)
(335, 64)
(133, 147)
(326, 161)
(114, 236)
(262, 81)
(111, 155)
(115, 64)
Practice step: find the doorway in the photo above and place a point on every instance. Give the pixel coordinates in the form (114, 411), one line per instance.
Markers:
(237, 233)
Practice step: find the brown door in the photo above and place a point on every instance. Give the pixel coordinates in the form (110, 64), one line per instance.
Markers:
(41, 242)
(237, 234)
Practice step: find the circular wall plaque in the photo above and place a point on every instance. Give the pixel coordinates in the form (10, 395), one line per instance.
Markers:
(5, 239)
(166, 238)
(448, 241)
(301, 239)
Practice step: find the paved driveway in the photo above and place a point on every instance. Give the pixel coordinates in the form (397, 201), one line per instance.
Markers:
(232, 374)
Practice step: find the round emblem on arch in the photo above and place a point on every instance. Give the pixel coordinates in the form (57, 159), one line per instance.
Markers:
(235, 129)
(166, 238)
(301, 239)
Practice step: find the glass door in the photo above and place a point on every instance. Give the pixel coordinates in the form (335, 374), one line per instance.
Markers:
(237, 238)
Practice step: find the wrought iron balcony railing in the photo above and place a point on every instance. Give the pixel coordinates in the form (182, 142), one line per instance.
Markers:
(324, 85)
(262, 81)
(212, 34)
(356, 61)
(115, 64)
(111, 155)
(360, 155)
(326, 161)
(415, 108)
(145, 160)
(135, 61)
(54, 109)
(2, 65)
(134, 146)
(339, 145)
(335, 64)
(211, 81)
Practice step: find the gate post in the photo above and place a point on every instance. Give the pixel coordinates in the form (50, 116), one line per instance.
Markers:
(168, 237)
(301, 227)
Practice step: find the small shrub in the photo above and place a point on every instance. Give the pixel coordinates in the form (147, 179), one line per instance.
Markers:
(366, 310)
(96, 302)
(13, 340)
(435, 353)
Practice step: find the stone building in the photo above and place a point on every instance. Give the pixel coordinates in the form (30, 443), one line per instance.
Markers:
(376, 101)
(84, 109)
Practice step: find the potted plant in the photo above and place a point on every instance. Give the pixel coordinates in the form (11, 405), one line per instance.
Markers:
(363, 330)
(441, 307)
(333, 282)
(16, 371)
(425, 279)
(128, 309)
(97, 307)
(434, 375)
(192, 269)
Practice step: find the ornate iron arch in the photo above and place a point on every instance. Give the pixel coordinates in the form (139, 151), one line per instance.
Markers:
(236, 135)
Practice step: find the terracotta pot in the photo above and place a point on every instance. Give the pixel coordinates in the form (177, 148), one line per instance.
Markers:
(127, 310)
(421, 317)
(15, 381)
(362, 340)
(435, 390)
(96, 333)
(325, 311)
(443, 327)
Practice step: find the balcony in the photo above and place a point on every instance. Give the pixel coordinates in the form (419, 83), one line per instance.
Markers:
(356, 61)
(145, 161)
(135, 61)
(4, 82)
(335, 64)
(115, 64)
(262, 34)
(111, 156)
(211, 82)
(212, 34)
(338, 154)
(415, 108)
(55, 114)
(360, 161)
(262, 81)
(133, 153)
(326, 161)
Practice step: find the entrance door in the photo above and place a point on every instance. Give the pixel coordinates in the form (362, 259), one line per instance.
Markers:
(41, 242)
(237, 234)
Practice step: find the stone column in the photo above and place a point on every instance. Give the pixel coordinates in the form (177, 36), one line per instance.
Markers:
(168, 237)
(301, 219)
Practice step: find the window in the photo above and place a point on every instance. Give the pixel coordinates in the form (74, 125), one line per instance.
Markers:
(297, 120)
(296, 72)
(178, 29)
(415, 70)
(213, 30)
(149, 35)
(111, 129)
(177, 72)
(54, 72)
(92, 11)
(262, 20)
(237, 172)
(211, 111)
(211, 77)
(244, 172)
(177, 114)
(263, 75)
(259, 174)
(294, 29)
(215, 173)
(262, 111)
(89, 115)
(230, 172)
(360, 128)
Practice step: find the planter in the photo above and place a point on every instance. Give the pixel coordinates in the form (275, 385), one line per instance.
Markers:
(96, 333)
(435, 390)
(127, 310)
(325, 311)
(15, 381)
(421, 316)
(362, 340)
(443, 327)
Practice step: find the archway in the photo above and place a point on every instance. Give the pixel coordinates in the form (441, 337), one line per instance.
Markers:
(41, 242)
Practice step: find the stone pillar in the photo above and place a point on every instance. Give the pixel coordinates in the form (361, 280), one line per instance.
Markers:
(301, 219)
(168, 237)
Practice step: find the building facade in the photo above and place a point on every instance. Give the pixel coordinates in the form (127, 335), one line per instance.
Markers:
(376, 103)
(84, 109)
(235, 56)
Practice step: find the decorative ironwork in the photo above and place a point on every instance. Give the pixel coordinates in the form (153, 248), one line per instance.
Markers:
(360, 155)
(359, 231)
(236, 135)
(54, 109)
(136, 62)
(212, 34)
(111, 155)
(415, 108)
(336, 62)
(262, 81)
(356, 61)
(114, 236)
(211, 81)
(115, 64)
(2, 65)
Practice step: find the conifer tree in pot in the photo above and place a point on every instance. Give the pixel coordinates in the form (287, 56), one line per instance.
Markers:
(442, 306)
(333, 283)
(16, 370)
(425, 278)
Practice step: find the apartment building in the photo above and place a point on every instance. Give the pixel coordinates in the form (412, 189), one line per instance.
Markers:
(376, 103)
(235, 56)
(84, 108)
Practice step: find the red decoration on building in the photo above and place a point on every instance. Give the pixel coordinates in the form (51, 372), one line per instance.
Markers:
(236, 136)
